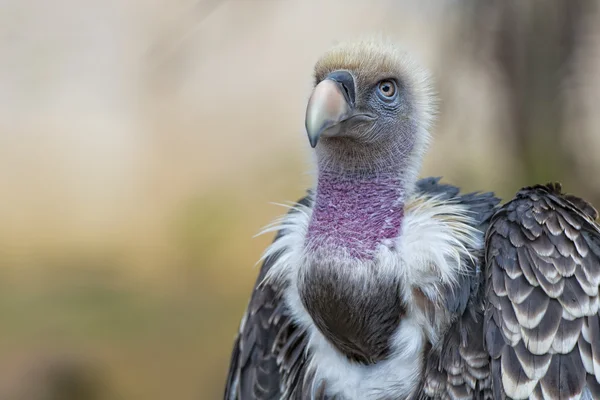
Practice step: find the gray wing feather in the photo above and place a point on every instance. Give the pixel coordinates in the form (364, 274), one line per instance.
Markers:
(459, 367)
(541, 321)
(268, 358)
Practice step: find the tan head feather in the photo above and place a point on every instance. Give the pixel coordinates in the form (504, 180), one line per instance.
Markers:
(371, 61)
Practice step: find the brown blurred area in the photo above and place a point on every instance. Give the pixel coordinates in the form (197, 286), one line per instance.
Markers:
(141, 144)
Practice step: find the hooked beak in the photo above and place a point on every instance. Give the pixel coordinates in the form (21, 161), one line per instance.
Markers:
(331, 102)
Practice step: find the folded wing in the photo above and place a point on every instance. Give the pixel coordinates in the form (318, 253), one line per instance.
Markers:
(542, 328)
(269, 358)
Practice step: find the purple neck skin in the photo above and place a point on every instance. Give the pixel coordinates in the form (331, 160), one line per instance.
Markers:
(355, 212)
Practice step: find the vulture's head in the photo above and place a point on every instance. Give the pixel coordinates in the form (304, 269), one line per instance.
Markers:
(368, 119)
(370, 110)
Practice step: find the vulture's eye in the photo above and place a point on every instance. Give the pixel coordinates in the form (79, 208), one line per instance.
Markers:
(387, 89)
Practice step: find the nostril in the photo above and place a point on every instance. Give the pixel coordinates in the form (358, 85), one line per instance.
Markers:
(346, 81)
(346, 90)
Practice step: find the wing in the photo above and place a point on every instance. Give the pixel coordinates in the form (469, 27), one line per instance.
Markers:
(268, 358)
(542, 328)
(459, 367)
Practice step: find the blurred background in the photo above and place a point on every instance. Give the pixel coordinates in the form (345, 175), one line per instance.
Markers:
(141, 143)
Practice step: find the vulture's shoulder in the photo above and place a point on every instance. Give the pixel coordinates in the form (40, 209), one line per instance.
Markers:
(457, 367)
(480, 205)
(268, 358)
(541, 326)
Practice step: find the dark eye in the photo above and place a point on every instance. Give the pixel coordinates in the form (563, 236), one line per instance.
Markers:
(387, 88)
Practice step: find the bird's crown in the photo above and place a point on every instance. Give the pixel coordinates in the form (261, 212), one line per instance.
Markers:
(372, 60)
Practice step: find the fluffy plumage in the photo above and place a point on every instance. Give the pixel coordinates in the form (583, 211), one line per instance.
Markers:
(379, 286)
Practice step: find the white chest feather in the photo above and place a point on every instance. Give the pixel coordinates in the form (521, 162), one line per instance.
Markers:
(434, 238)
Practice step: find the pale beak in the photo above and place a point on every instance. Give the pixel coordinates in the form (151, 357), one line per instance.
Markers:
(330, 103)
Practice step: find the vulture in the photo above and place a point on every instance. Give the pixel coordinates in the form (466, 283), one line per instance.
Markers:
(383, 285)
